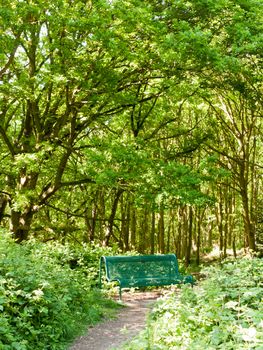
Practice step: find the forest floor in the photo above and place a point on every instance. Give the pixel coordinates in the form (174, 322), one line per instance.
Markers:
(130, 320)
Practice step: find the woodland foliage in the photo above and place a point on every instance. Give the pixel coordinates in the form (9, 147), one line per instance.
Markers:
(137, 123)
(133, 125)
(48, 294)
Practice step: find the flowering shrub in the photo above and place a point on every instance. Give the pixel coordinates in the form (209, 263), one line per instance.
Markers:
(223, 312)
(44, 302)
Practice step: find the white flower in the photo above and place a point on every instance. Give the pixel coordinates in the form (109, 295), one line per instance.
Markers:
(37, 294)
(248, 334)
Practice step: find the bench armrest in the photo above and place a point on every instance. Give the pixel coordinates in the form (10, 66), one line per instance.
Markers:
(102, 261)
(189, 279)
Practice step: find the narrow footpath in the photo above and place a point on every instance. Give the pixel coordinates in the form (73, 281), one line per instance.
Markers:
(113, 333)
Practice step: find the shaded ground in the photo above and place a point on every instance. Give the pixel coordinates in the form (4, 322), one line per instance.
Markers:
(128, 323)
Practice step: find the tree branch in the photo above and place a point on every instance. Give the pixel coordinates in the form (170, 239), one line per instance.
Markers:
(77, 182)
(7, 141)
(12, 55)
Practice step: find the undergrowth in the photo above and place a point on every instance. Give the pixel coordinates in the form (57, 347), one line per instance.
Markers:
(48, 294)
(224, 311)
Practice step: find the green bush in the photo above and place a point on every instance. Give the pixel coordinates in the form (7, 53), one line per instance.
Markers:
(222, 312)
(44, 302)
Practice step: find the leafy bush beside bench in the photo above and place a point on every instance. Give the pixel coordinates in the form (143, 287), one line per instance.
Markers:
(222, 312)
(44, 302)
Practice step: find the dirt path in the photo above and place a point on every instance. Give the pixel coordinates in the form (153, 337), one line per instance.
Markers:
(129, 322)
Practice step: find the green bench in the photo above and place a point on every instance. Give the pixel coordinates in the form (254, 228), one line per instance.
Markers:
(142, 271)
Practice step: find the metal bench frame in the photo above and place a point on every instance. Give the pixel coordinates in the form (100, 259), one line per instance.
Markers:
(142, 271)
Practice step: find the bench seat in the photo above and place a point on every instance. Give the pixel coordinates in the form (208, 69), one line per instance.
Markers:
(142, 271)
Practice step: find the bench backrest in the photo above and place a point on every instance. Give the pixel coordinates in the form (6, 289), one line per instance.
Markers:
(142, 266)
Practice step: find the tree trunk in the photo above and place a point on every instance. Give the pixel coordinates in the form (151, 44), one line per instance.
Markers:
(178, 245)
(102, 213)
(152, 240)
(185, 224)
(109, 232)
(161, 231)
(248, 225)
(142, 244)
(220, 218)
(3, 204)
(189, 238)
(20, 224)
(125, 221)
(133, 227)
(234, 245)
(169, 229)
(90, 220)
(20, 221)
(200, 216)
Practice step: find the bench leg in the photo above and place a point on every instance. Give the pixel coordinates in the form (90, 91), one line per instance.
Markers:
(120, 293)
(100, 273)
